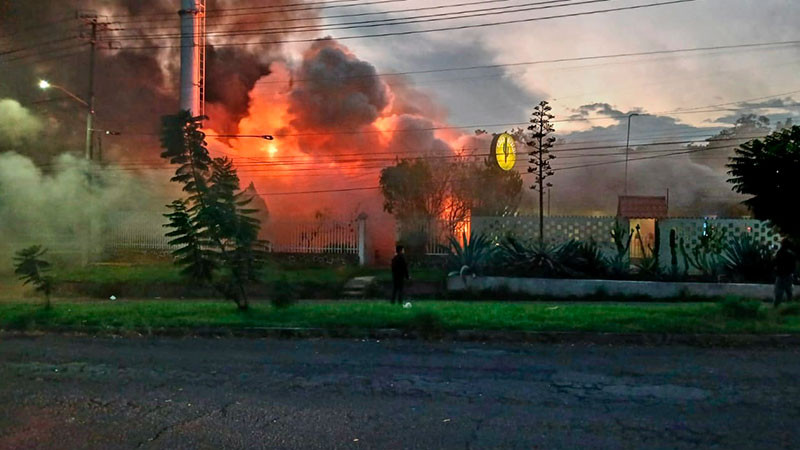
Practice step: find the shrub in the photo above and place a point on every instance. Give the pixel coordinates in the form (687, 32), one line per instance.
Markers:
(283, 294)
(32, 269)
(747, 259)
(471, 254)
(738, 308)
(536, 259)
(586, 259)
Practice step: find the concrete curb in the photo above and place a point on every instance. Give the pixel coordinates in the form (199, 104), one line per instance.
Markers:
(548, 337)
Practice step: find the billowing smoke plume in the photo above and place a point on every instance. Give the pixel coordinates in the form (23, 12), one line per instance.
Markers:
(17, 125)
(592, 166)
(59, 207)
(336, 90)
(336, 122)
(137, 67)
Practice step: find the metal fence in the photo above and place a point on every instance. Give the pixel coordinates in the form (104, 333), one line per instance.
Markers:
(326, 236)
(144, 231)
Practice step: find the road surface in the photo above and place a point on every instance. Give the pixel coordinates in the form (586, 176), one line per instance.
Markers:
(65, 392)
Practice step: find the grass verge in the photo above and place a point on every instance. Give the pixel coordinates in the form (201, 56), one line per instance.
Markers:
(147, 316)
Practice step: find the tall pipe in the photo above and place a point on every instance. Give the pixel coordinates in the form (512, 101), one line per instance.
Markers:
(190, 55)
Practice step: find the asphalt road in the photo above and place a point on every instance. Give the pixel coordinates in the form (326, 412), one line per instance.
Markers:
(76, 392)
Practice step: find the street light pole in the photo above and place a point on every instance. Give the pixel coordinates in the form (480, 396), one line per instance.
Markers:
(627, 150)
(90, 104)
(44, 84)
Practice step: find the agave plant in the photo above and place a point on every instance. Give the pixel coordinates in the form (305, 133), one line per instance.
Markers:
(584, 258)
(747, 259)
(470, 254)
(535, 259)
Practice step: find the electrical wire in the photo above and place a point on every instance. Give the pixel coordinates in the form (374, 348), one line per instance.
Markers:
(426, 18)
(432, 30)
(337, 16)
(253, 13)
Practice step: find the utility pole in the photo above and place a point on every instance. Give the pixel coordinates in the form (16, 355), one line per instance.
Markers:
(193, 56)
(91, 20)
(627, 150)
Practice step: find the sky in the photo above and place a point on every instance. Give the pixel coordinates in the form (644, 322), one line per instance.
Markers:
(677, 96)
(652, 84)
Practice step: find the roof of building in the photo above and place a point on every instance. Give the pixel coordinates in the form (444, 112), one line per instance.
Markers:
(642, 207)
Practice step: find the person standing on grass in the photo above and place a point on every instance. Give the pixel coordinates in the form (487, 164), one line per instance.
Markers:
(785, 262)
(399, 274)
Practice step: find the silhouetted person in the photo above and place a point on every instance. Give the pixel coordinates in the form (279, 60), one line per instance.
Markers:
(785, 262)
(399, 274)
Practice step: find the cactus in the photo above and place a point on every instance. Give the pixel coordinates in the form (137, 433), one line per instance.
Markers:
(673, 252)
(622, 241)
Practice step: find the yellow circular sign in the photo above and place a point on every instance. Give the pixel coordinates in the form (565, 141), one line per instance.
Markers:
(504, 149)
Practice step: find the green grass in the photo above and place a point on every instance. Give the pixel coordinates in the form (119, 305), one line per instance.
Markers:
(148, 315)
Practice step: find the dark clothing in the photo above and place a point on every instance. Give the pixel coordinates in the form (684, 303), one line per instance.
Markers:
(785, 262)
(399, 277)
(398, 291)
(399, 268)
(783, 288)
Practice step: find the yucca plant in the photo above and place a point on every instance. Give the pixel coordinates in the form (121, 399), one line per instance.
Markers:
(32, 269)
(469, 254)
(747, 259)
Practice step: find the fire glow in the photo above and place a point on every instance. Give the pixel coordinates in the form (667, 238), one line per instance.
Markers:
(335, 127)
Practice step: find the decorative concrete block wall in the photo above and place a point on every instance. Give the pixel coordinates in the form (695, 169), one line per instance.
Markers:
(692, 230)
(557, 229)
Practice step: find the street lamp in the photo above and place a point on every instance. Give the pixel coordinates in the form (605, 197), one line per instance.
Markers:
(627, 149)
(44, 85)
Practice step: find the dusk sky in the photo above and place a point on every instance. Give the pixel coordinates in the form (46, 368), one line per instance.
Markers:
(683, 96)
(660, 83)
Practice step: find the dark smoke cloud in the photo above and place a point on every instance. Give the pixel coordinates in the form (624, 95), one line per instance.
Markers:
(422, 142)
(230, 76)
(134, 88)
(336, 90)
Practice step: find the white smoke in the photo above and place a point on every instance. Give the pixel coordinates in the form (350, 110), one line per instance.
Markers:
(59, 207)
(17, 125)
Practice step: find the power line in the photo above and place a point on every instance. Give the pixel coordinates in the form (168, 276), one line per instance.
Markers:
(280, 165)
(336, 16)
(432, 30)
(287, 10)
(553, 61)
(39, 26)
(243, 8)
(321, 191)
(326, 191)
(425, 18)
